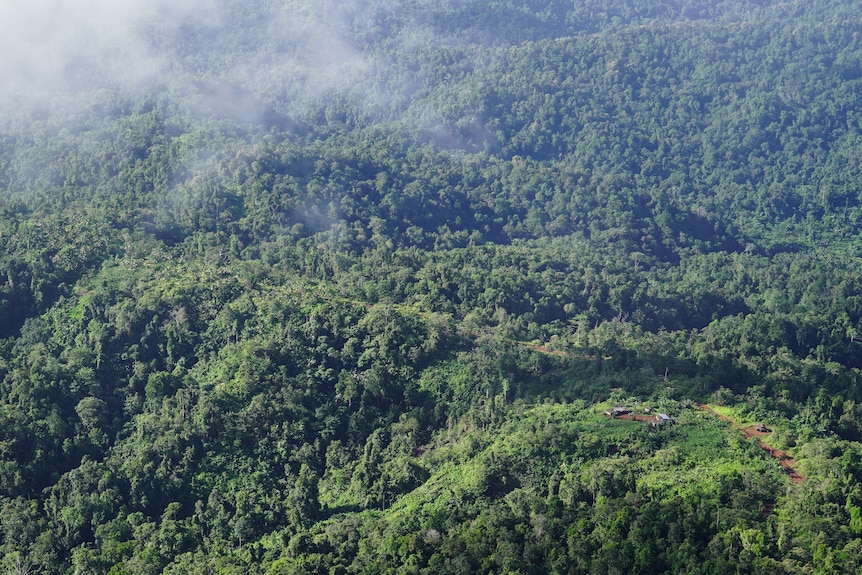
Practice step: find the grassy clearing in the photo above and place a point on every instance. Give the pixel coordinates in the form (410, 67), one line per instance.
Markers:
(736, 417)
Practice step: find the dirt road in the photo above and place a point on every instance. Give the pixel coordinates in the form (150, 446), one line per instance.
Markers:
(787, 462)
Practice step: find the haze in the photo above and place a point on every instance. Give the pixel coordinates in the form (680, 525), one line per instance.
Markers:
(53, 48)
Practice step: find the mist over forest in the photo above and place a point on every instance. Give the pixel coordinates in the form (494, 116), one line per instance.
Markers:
(453, 286)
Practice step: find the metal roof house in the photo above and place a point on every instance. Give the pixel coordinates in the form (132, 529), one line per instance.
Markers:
(618, 411)
(661, 419)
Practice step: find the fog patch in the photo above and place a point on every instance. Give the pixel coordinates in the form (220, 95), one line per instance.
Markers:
(54, 46)
(252, 62)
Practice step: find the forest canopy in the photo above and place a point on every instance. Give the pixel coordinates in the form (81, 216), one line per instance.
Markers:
(347, 287)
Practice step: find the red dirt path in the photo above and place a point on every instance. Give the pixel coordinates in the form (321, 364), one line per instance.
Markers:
(787, 462)
(636, 417)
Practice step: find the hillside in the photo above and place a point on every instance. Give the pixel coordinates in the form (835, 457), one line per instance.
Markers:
(316, 287)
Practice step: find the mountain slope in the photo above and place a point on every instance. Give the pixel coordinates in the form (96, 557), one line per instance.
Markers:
(346, 288)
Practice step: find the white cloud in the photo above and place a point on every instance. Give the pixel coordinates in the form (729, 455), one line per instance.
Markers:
(55, 45)
(229, 58)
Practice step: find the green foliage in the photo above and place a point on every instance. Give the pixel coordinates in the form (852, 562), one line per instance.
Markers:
(251, 325)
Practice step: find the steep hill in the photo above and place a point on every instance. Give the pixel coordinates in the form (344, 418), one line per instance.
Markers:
(319, 287)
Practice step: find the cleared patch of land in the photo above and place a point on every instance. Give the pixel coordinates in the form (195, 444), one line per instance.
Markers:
(786, 461)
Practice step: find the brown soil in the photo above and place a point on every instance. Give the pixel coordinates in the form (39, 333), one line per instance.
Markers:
(636, 417)
(787, 462)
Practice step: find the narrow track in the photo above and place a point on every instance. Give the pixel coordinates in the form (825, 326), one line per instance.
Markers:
(784, 458)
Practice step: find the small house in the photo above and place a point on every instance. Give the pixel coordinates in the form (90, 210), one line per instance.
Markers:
(618, 411)
(760, 428)
(661, 419)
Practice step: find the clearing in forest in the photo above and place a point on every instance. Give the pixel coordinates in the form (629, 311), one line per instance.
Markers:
(786, 461)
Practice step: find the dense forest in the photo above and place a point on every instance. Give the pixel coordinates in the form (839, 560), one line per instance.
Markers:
(295, 286)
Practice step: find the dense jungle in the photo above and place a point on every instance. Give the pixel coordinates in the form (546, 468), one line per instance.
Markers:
(317, 287)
